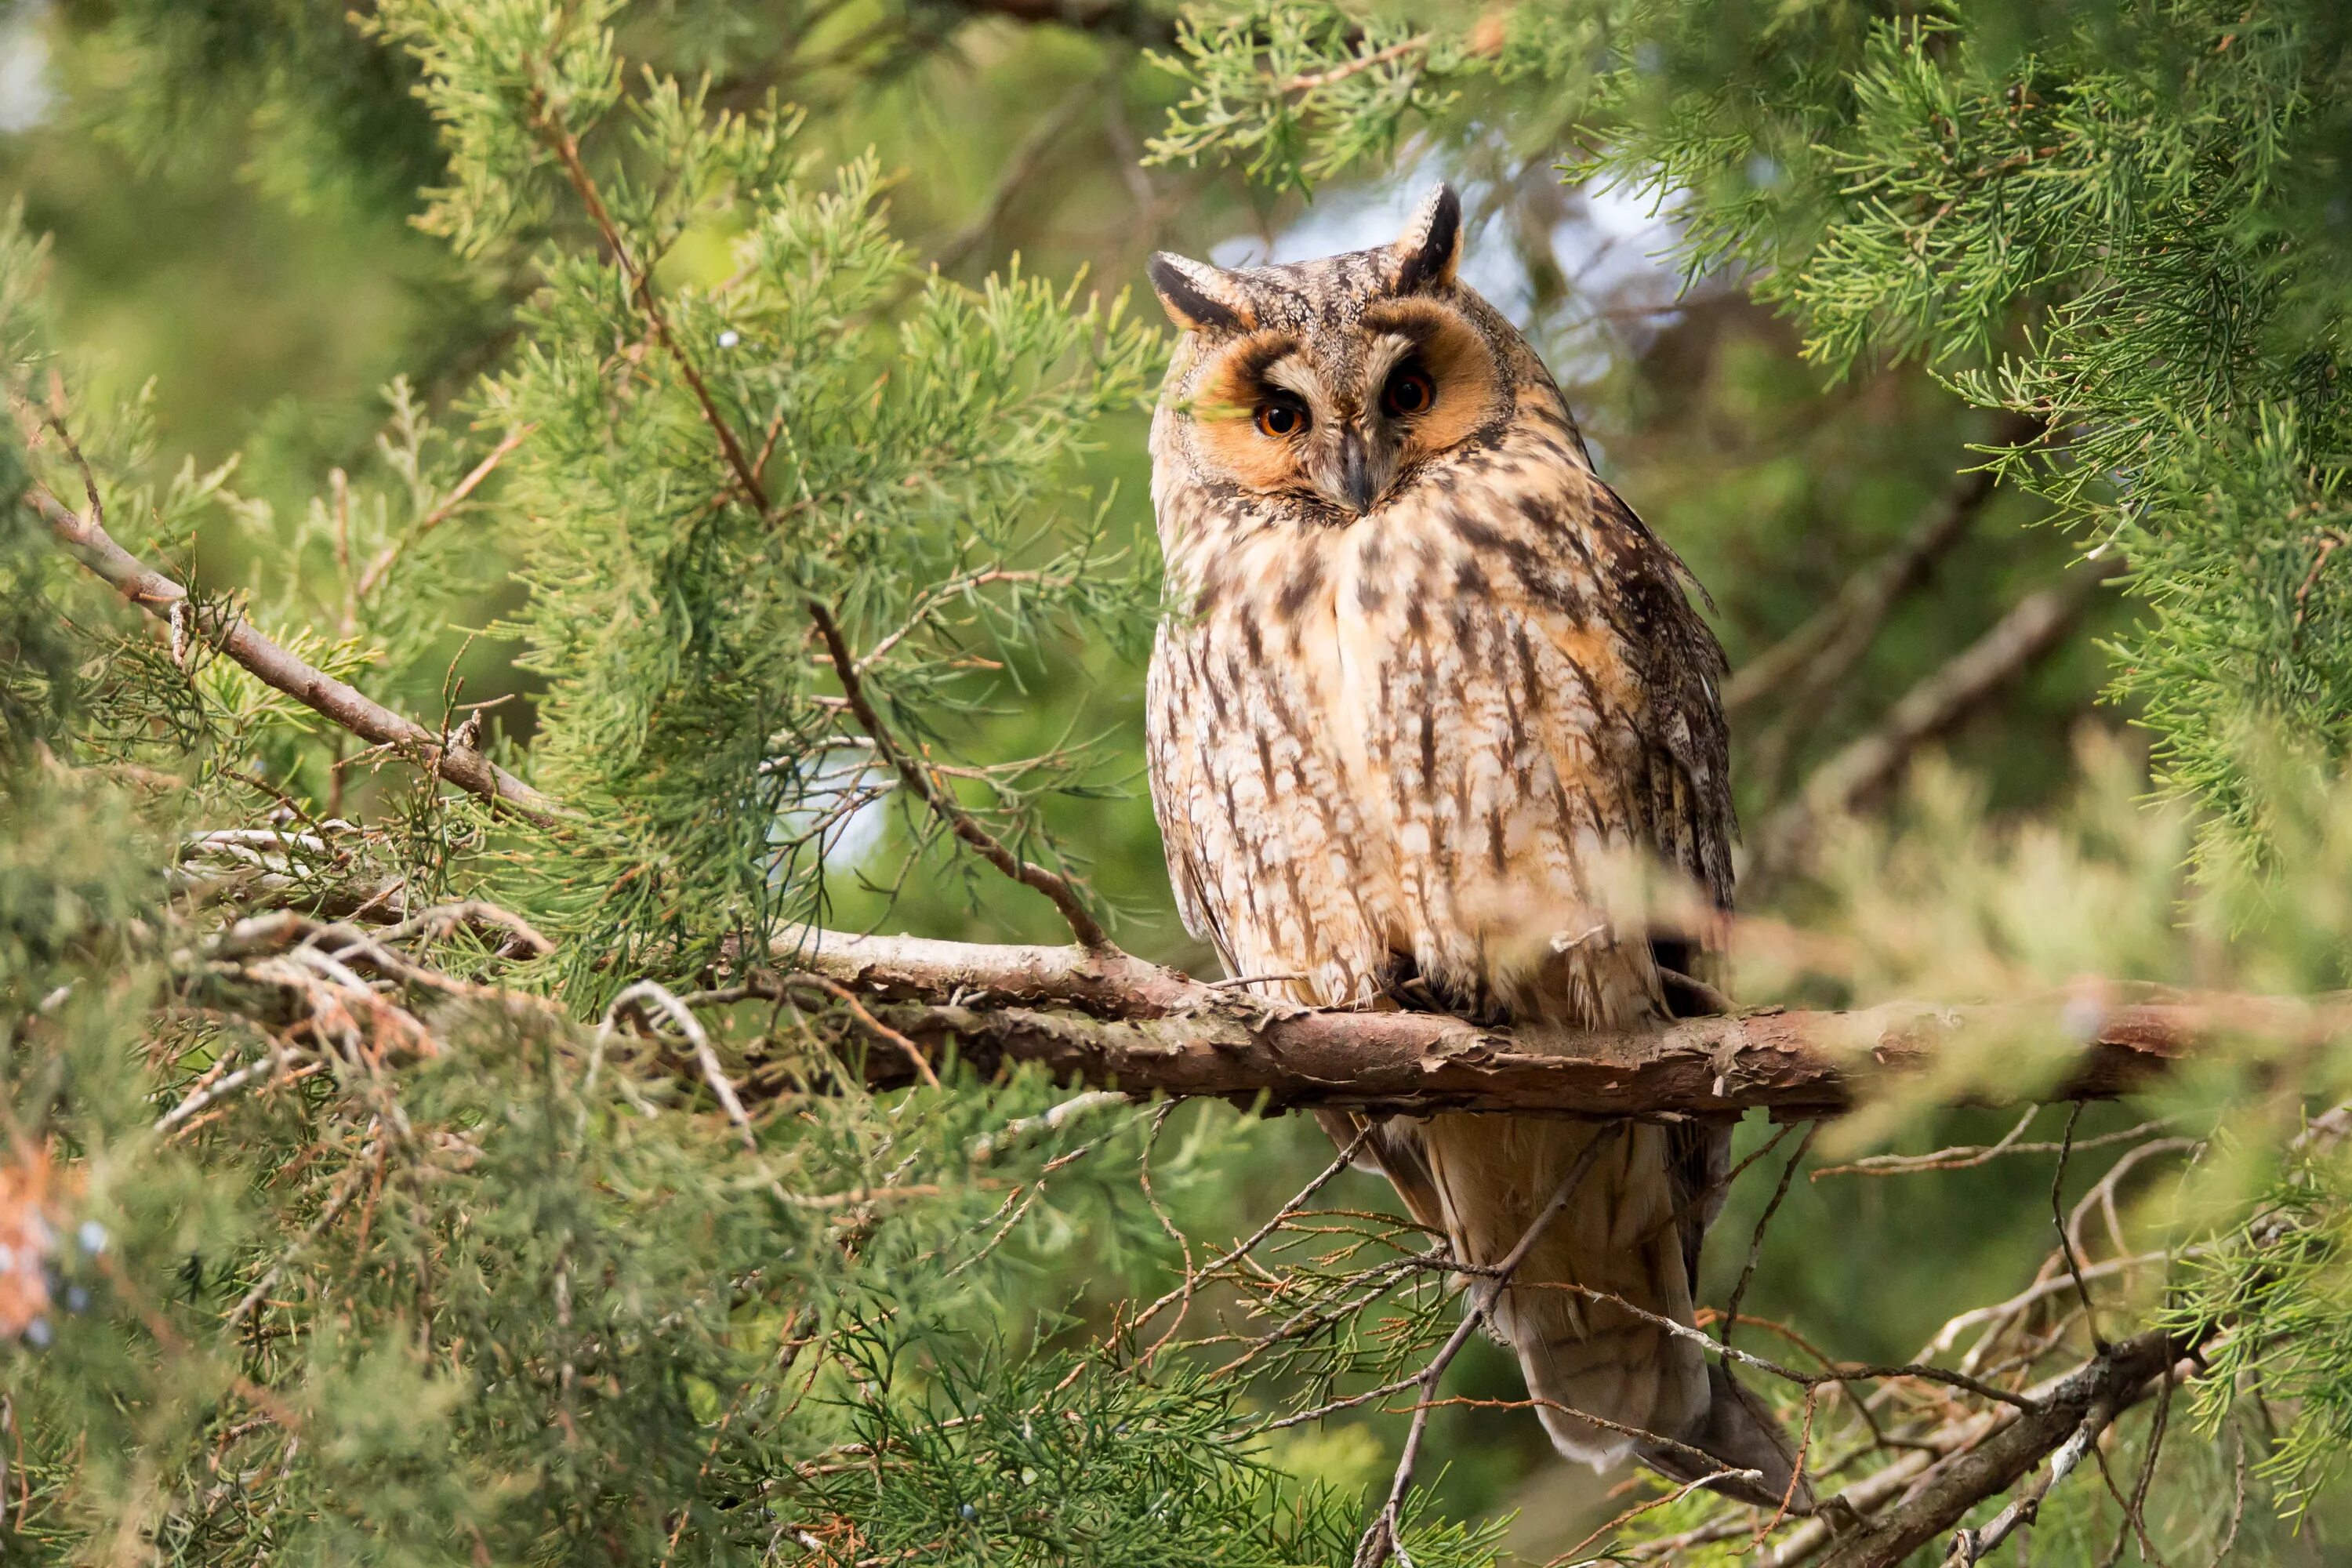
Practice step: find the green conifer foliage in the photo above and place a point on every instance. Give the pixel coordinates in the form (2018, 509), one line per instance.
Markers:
(401, 1168)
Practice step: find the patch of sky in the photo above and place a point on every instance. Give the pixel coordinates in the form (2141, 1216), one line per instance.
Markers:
(27, 94)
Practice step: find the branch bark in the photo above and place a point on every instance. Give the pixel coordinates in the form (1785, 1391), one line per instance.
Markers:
(1112, 1020)
(2084, 1403)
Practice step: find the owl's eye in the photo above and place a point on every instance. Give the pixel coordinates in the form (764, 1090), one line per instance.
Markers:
(1279, 419)
(1409, 391)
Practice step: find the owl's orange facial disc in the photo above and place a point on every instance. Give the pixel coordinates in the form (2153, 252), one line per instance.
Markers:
(1254, 422)
(1465, 386)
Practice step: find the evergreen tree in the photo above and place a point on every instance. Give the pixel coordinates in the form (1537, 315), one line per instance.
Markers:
(447, 1119)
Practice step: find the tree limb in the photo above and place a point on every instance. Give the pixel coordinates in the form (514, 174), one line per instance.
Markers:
(1112, 1020)
(85, 539)
(2033, 627)
(1812, 658)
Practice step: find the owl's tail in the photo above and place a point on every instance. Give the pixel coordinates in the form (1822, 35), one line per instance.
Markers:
(1606, 1382)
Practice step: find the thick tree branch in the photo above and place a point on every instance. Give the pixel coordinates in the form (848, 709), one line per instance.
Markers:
(85, 539)
(1116, 1021)
(2081, 1406)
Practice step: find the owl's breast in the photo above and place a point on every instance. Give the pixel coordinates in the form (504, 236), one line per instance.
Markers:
(1404, 746)
(1488, 714)
(1260, 802)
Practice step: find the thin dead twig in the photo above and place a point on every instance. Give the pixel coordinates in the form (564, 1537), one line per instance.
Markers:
(660, 997)
(923, 786)
(1183, 1293)
(556, 134)
(1763, 1222)
(1966, 1157)
(2065, 1241)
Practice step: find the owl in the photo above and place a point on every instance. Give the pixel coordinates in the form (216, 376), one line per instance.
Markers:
(1423, 683)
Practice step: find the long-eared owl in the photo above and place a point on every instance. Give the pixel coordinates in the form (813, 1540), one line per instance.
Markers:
(1423, 679)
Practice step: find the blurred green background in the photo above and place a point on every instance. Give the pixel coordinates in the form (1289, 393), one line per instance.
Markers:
(230, 185)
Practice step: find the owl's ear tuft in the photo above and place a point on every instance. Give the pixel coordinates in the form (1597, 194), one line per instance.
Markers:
(1431, 246)
(1197, 297)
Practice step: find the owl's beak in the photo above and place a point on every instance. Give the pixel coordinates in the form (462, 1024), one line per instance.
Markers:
(1357, 485)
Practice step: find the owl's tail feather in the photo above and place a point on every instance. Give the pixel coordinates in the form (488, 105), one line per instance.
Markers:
(1735, 1434)
(1606, 1382)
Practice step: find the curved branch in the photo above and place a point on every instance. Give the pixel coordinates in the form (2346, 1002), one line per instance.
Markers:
(921, 782)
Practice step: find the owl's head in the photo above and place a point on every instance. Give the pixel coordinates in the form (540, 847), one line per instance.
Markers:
(1333, 383)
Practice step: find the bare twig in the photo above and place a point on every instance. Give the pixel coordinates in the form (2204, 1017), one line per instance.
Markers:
(2058, 1218)
(1183, 1293)
(2040, 1290)
(1763, 1223)
(1969, 1156)
(438, 921)
(556, 134)
(876, 1026)
(659, 997)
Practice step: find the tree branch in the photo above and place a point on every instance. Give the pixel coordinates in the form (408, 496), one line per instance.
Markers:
(1812, 658)
(2073, 1413)
(85, 539)
(925, 787)
(2033, 627)
(1116, 1021)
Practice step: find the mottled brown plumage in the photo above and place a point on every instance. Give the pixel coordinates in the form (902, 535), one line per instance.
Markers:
(1425, 682)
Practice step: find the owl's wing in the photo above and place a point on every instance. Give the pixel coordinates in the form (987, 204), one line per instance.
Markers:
(1173, 783)
(1679, 665)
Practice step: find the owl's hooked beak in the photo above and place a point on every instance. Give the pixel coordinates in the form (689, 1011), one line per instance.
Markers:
(1352, 466)
(1358, 487)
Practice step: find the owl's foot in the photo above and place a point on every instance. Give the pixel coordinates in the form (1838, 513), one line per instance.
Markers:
(1402, 983)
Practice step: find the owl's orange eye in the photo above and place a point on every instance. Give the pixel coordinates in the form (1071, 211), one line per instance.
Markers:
(1280, 420)
(1409, 391)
